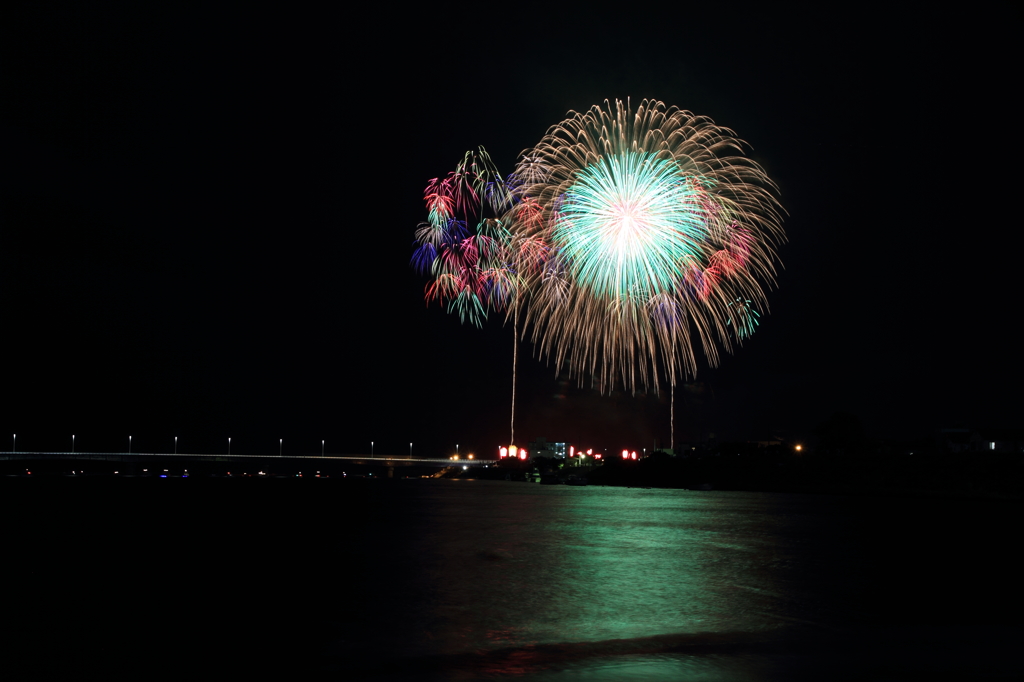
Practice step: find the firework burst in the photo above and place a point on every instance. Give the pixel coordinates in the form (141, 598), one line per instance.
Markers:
(628, 241)
(464, 244)
(639, 236)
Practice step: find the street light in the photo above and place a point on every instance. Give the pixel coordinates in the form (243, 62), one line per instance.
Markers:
(410, 450)
(229, 446)
(371, 449)
(129, 445)
(321, 448)
(175, 445)
(72, 443)
(280, 447)
(14, 445)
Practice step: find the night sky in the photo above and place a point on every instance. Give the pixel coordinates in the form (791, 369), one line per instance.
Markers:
(206, 222)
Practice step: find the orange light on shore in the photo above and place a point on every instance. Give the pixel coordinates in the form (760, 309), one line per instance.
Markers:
(512, 451)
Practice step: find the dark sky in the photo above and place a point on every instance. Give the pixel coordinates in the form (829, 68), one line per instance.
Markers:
(207, 221)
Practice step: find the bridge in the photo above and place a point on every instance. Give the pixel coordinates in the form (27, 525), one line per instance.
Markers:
(211, 462)
(223, 457)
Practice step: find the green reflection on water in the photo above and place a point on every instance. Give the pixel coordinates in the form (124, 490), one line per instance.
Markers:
(510, 565)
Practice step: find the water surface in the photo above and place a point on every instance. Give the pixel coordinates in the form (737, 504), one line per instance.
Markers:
(466, 580)
(483, 579)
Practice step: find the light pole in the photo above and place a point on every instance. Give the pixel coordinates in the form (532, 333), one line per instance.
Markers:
(410, 450)
(129, 445)
(280, 448)
(321, 448)
(229, 446)
(14, 443)
(72, 443)
(456, 451)
(371, 449)
(175, 445)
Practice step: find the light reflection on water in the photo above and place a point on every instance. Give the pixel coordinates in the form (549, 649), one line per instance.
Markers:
(495, 579)
(532, 564)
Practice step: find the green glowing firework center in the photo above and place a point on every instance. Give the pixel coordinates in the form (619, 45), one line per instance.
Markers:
(631, 224)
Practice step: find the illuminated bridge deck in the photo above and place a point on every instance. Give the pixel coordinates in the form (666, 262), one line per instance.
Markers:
(184, 458)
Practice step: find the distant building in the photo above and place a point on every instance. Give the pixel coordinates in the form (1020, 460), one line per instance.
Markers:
(1002, 440)
(542, 448)
(984, 440)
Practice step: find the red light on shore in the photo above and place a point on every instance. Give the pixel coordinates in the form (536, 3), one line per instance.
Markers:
(632, 455)
(522, 453)
(503, 451)
(625, 454)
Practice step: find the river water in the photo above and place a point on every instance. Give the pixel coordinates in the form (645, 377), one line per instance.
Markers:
(465, 580)
(484, 579)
